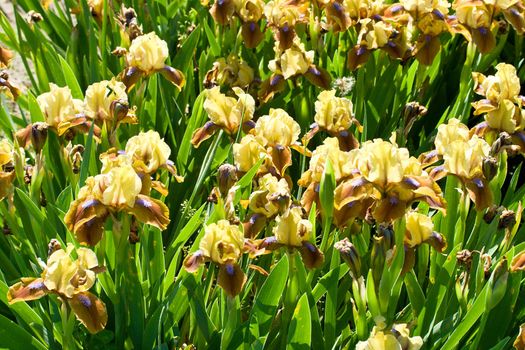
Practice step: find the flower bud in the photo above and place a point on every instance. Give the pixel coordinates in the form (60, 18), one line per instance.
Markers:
(350, 256)
(498, 284)
(226, 178)
(490, 167)
(39, 135)
(53, 246)
(507, 219)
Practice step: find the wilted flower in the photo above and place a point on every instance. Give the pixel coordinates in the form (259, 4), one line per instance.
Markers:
(222, 244)
(226, 113)
(293, 231)
(118, 189)
(397, 338)
(147, 55)
(70, 279)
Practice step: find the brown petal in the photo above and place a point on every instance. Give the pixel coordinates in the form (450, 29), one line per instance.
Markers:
(231, 279)
(151, 211)
(222, 11)
(388, 209)
(437, 241)
(86, 218)
(275, 83)
(251, 34)
(254, 225)
(430, 47)
(130, 76)
(23, 136)
(480, 193)
(281, 158)
(428, 158)
(204, 133)
(311, 255)
(319, 77)
(347, 141)
(194, 261)
(27, 289)
(484, 39)
(516, 17)
(89, 232)
(174, 75)
(285, 37)
(357, 57)
(90, 310)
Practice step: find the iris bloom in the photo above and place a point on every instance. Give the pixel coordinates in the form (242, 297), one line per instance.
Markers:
(149, 153)
(248, 152)
(474, 20)
(293, 231)
(419, 229)
(271, 197)
(342, 163)
(147, 55)
(502, 105)
(118, 189)
(230, 71)
(7, 167)
(393, 38)
(397, 338)
(283, 16)
(463, 157)
(226, 113)
(250, 12)
(106, 102)
(389, 179)
(222, 244)
(295, 61)
(71, 280)
(277, 132)
(334, 115)
(430, 21)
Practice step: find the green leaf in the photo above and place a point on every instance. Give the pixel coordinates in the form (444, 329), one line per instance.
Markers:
(12, 336)
(300, 330)
(267, 299)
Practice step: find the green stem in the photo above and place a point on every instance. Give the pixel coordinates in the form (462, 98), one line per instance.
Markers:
(290, 298)
(68, 324)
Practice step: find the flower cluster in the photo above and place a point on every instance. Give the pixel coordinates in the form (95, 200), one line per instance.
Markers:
(124, 185)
